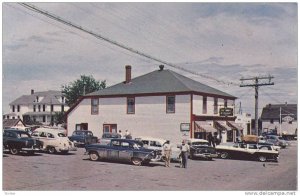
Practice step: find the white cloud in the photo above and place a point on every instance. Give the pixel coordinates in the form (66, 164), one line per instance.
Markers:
(226, 41)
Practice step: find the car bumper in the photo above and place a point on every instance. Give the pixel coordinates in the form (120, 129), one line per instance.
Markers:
(30, 149)
(64, 149)
(205, 155)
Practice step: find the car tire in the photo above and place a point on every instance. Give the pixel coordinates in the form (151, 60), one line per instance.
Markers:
(51, 150)
(224, 155)
(136, 161)
(262, 158)
(94, 156)
(14, 151)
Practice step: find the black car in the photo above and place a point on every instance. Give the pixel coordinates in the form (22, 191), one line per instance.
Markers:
(16, 141)
(200, 148)
(83, 137)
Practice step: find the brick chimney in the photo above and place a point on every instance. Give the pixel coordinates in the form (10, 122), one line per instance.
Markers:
(32, 91)
(127, 74)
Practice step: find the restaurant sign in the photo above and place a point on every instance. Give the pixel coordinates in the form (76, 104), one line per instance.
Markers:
(226, 111)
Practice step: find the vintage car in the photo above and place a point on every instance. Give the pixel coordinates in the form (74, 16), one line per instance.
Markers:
(247, 151)
(16, 141)
(157, 144)
(83, 137)
(121, 150)
(53, 140)
(200, 148)
(276, 140)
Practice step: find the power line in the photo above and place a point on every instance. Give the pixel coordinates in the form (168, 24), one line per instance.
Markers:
(265, 80)
(98, 36)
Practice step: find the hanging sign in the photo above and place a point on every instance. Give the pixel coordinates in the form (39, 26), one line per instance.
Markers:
(226, 111)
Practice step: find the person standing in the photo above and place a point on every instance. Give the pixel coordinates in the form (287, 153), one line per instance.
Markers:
(167, 152)
(184, 153)
(120, 135)
(211, 140)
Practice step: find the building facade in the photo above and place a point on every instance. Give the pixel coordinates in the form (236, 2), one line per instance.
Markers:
(281, 118)
(37, 107)
(161, 104)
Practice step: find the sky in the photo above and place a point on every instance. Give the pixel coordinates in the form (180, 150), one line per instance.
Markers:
(223, 41)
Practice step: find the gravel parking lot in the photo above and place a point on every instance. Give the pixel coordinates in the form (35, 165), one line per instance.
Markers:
(76, 172)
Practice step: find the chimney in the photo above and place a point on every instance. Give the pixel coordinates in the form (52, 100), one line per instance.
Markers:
(32, 91)
(161, 67)
(127, 74)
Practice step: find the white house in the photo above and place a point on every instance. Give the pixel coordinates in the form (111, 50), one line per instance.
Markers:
(280, 117)
(161, 103)
(37, 107)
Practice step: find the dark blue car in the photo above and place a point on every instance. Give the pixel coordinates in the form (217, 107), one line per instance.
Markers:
(124, 150)
(83, 137)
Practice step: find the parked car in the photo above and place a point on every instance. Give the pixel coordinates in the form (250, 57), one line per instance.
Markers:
(247, 151)
(276, 140)
(83, 137)
(53, 140)
(157, 144)
(121, 150)
(263, 143)
(16, 141)
(200, 148)
(106, 137)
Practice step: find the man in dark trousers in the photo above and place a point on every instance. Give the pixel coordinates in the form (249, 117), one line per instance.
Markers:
(185, 149)
(211, 140)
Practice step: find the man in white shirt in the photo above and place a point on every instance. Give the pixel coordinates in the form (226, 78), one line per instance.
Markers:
(167, 152)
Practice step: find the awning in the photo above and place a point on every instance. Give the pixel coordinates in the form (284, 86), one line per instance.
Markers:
(203, 126)
(224, 125)
(235, 125)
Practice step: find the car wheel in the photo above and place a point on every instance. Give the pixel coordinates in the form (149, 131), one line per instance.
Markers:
(262, 158)
(94, 156)
(14, 151)
(136, 161)
(224, 155)
(51, 150)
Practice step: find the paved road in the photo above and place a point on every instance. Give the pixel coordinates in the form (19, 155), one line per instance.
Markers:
(75, 172)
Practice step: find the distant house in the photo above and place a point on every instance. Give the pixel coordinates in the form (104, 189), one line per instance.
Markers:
(280, 117)
(161, 104)
(9, 123)
(37, 107)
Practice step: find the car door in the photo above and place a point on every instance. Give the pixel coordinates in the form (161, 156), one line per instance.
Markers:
(113, 150)
(126, 151)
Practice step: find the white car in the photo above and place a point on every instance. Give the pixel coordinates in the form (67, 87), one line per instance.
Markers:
(53, 140)
(157, 144)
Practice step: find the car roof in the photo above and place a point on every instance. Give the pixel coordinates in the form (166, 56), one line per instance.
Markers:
(15, 130)
(48, 130)
(152, 139)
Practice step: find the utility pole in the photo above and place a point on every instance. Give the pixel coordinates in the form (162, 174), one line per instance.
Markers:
(257, 82)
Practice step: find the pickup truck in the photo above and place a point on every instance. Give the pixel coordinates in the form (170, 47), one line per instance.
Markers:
(16, 141)
(124, 150)
(83, 137)
(248, 151)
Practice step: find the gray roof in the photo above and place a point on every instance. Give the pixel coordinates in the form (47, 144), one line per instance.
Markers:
(271, 111)
(50, 97)
(11, 122)
(159, 81)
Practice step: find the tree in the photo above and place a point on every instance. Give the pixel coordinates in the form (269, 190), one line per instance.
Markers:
(80, 87)
(59, 118)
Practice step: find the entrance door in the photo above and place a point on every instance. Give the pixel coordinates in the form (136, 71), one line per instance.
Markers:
(109, 128)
